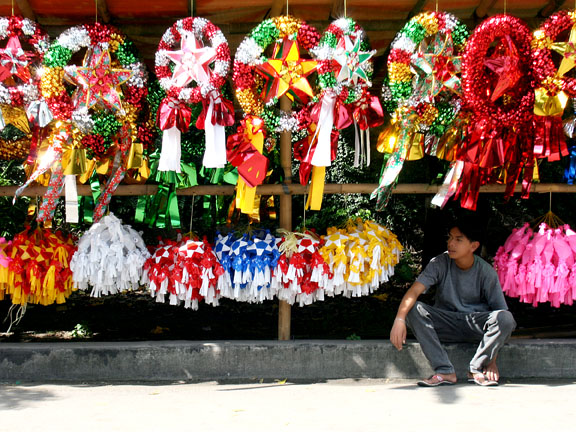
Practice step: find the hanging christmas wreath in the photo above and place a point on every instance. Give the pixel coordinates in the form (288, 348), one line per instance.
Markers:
(498, 89)
(100, 118)
(424, 88)
(197, 75)
(422, 92)
(260, 81)
(19, 94)
(497, 82)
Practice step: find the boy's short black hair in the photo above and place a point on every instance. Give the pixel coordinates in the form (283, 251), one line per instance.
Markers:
(470, 227)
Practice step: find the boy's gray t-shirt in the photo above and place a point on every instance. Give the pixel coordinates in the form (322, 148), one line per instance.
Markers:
(474, 290)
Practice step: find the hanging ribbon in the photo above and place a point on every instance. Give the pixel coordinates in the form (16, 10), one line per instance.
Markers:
(173, 118)
(244, 151)
(217, 112)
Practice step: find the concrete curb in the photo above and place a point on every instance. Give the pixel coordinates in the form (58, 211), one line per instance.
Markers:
(247, 361)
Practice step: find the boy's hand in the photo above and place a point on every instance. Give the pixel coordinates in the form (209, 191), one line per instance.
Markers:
(398, 334)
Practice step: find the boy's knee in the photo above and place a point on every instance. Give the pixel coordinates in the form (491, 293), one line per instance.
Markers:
(417, 312)
(505, 321)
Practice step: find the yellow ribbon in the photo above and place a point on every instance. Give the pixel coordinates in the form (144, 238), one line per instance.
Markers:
(316, 194)
(549, 105)
(246, 195)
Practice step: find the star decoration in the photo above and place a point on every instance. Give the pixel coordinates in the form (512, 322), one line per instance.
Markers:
(568, 52)
(14, 61)
(505, 63)
(191, 61)
(437, 68)
(98, 81)
(351, 60)
(286, 73)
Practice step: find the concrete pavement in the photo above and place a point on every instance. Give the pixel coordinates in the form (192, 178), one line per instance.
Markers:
(340, 405)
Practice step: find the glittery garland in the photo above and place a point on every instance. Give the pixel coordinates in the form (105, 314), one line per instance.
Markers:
(199, 28)
(50, 200)
(397, 92)
(119, 171)
(250, 53)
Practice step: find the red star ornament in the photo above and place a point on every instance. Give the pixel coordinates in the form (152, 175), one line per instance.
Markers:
(505, 64)
(14, 61)
(98, 82)
(191, 61)
(286, 73)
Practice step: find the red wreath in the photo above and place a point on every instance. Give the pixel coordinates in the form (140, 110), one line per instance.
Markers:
(498, 89)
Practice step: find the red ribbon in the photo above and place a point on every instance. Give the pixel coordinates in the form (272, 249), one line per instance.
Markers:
(242, 154)
(222, 112)
(342, 118)
(368, 112)
(173, 113)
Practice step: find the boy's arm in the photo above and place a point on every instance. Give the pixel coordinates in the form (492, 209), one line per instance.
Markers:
(398, 332)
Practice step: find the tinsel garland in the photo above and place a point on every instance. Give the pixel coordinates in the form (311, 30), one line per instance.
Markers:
(423, 93)
(39, 269)
(109, 259)
(538, 266)
(498, 89)
(23, 111)
(186, 270)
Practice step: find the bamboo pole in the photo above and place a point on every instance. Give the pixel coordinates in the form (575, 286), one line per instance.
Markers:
(292, 189)
(284, 309)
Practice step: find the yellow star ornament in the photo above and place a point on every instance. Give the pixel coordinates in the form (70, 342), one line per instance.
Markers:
(568, 52)
(286, 73)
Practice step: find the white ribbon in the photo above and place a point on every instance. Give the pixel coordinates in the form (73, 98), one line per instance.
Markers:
(39, 112)
(171, 150)
(361, 146)
(449, 186)
(322, 154)
(215, 153)
(71, 199)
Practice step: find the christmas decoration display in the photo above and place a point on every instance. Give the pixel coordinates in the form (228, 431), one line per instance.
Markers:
(205, 67)
(105, 118)
(423, 93)
(553, 87)
(360, 257)
(249, 261)
(302, 273)
(38, 267)
(260, 81)
(498, 89)
(344, 77)
(187, 270)
(22, 111)
(109, 259)
(538, 265)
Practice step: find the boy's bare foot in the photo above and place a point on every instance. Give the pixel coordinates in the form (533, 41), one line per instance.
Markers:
(491, 371)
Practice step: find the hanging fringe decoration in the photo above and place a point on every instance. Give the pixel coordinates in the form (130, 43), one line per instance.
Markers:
(109, 259)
